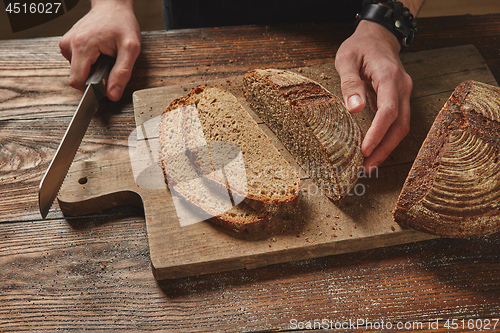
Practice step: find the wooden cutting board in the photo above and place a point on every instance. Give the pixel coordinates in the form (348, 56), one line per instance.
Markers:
(318, 227)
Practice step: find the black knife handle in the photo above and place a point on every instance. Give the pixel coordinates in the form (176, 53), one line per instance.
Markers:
(99, 75)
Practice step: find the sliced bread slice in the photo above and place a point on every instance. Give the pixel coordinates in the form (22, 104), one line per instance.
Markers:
(195, 199)
(267, 181)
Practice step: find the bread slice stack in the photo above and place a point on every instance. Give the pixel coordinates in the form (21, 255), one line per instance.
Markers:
(312, 123)
(453, 187)
(216, 157)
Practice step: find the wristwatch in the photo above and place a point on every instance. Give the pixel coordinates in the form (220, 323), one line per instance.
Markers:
(394, 16)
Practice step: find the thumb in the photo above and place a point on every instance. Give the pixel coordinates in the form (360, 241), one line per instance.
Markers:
(353, 89)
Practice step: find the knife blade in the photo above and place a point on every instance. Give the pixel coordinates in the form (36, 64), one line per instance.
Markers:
(95, 91)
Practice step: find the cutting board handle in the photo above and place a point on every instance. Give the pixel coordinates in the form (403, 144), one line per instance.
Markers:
(92, 186)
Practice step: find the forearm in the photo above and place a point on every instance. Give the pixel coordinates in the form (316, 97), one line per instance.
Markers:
(128, 3)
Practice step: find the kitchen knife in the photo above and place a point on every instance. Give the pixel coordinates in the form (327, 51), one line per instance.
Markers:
(95, 91)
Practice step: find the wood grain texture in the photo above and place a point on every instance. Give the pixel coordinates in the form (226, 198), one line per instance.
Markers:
(93, 273)
(109, 285)
(317, 227)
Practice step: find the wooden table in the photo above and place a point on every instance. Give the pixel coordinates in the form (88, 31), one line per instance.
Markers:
(94, 272)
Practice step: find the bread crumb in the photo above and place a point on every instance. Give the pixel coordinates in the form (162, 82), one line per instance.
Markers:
(323, 76)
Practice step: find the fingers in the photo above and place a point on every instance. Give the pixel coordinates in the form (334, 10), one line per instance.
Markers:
(385, 114)
(351, 83)
(81, 57)
(109, 28)
(396, 132)
(391, 123)
(80, 69)
(121, 72)
(65, 47)
(369, 66)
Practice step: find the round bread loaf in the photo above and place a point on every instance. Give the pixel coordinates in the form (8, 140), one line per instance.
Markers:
(453, 187)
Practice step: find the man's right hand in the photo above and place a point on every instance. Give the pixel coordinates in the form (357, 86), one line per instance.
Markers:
(110, 28)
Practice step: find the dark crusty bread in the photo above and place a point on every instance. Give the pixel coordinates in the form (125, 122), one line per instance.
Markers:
(312, 123)
(264, 182)
(453, 187)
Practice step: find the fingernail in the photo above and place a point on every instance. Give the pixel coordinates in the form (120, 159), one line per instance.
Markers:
(353, 102)
(116, 92)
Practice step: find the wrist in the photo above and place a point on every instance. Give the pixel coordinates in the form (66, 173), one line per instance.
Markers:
(126, 3)
(377, 32)
(392, 15)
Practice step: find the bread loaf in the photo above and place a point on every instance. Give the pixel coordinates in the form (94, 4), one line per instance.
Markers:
(453, 187)
(312, 123)
(264, 183)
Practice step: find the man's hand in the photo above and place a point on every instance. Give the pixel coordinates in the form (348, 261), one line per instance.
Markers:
(109, 28)
(368, 63)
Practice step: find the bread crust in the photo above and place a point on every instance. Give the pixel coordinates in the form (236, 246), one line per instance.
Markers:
(453, 187)
(321, 134)
(254, 222)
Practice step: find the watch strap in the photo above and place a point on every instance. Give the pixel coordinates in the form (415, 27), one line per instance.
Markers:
(395, 17)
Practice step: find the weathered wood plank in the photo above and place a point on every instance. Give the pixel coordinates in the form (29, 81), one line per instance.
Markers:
(104, 286)
(28, 128)
(53, 275)
(182, 251)
(27, 147)
(481, 31)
